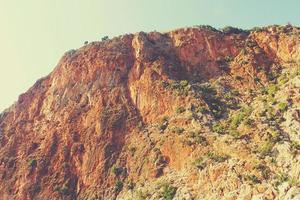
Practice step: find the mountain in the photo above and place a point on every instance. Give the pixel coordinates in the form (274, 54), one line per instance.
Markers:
(194, 113)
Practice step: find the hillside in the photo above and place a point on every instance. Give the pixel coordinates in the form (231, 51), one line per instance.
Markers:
(194, 113)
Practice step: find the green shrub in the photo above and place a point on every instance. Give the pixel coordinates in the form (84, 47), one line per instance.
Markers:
(228, 58)
(217, 157)
(252, 178)
(282, 106)
(105, 38)
(209, 94)
(272, 89)
(132, 150)
(63, 190)
(200, 163)
(116, 170)
(256, 79)
(232, 30)
(281, 178)
(182, 87)
(218, 128)
(168, 192)
(207, 27)
(202, 110)
(163, 126)
(178, 130)
(264, 170)
(266, 149)
(32, 163)
(235, 134)
(274, 136)
(130, 185)
(282, 79)
(119, 186)
(184, 83)
(180, 110)
(249, 122)
(239, 117)
(295, 147)
(201, 140)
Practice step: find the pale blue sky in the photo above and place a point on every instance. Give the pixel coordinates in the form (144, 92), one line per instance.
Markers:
(35, 33)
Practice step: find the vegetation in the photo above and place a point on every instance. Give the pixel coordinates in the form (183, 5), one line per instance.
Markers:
(118, 186)
(282, 106)
(207, 27)
(238, 118)
(130, 185)
(200, 163)
(232, 30)
(178, 130)
(266, 149)
(182, 87)
(32, 163)
(168, 192)
(180, 110)
(62, 190)
(218, 128)
(105, 38)
(116, 170)
(217, 157)
(252, 178)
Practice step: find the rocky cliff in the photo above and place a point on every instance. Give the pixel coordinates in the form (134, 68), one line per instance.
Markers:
(195, 113)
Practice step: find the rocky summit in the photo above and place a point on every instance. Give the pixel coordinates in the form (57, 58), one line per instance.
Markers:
(191, 114)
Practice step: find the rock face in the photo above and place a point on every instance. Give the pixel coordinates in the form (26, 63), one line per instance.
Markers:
(194, 113)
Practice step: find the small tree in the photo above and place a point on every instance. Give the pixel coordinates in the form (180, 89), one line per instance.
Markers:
(105, 38)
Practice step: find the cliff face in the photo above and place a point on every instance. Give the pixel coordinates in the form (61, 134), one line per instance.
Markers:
(194, 113)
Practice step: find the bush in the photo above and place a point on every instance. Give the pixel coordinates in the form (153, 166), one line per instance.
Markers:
(105, 38)
(228, 58)
(252, 178)
(294, 147)
(266, 149)
(218, 128)
(257, 29)
(200, 163)
(238, 118)
(265, 171)
(178, 130)
(272, 89)
(119, 186)
(32, 163)
(63, 190)
(207, 27)
(201, 140)
(282, 106)
(216, 157)
(234, 133)
(163, 126)
(116, 170)
(168, 192)
(281, 178)
(232, 30)
(130, 185)
(182, 87)
(180, 110)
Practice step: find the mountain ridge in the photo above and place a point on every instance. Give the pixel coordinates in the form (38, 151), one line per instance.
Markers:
(104, 123)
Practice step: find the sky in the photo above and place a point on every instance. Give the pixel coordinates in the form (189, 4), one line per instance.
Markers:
(34, 34)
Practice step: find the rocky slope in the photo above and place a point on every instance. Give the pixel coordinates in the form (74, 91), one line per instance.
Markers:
(194, 113)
